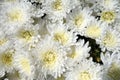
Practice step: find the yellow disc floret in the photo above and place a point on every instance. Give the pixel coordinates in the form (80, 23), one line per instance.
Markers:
(7, 58)
(93, 31)
(109, 40)
(26, 34)
(49, 58)
(78, 20)
(2, 41)
(57, 5)
(85, 76)
(108, 16)
(61, 37)
(15, 15)
(25, 64)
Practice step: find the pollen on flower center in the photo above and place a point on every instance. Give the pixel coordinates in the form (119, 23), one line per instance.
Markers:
(108, 16)
(57, 5)
(26, 34)
(25, 64)
(61, 37)
(93, 31)
(15, 15)
(49, 58)
(7, 58)
(78, 20)
(2, 41)
(114, 72)
(85, 76)
(109, 40)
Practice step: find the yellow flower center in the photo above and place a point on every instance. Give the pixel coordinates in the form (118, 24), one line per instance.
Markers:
(7, 58)
(78, 20)
(108, 16)
(15, 15)
(85, 76)
(114, 72)
(25, 64)
(49, 58)
(93, 31)
(61, 37)
(109, 40)
(2, 41)
(57, 5)
(26, 34)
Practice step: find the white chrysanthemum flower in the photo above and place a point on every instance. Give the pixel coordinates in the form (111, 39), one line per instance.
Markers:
(111, 64)
(6, 61)
(109, 10)
(111, 40)
(15, 15)
(24, 65)
(50, 58)
(79, 18)
(79, 51)
(56, 9)
(85, 70)
(95, 29)
(26, 36)
(60, 33)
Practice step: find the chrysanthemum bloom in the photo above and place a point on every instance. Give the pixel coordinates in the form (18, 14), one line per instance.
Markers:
(26, 36)
(79, 18)
(110, 40)
(15, 15)
(60, 33)
(50, 58)
(110, 11)
(95, 29)
(56, 9)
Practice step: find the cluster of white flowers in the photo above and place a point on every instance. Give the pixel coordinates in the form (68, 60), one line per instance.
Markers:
(59, 40)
